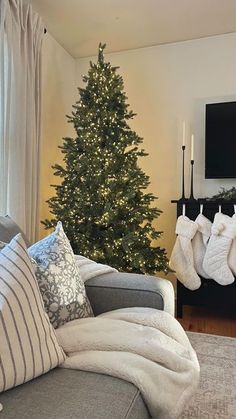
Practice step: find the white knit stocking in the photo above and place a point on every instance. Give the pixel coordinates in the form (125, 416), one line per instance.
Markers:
(181, 260)
(216, 258)
(199, 243)
(232, 254)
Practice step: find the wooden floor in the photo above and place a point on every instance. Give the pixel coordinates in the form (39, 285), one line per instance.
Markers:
(212, 321)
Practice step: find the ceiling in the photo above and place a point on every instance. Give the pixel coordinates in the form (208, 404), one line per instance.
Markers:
(79, 25)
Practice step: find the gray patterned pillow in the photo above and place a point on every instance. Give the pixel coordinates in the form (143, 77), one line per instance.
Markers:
(59, 278)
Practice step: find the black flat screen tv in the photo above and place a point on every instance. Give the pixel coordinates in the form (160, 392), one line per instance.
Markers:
(220, 140)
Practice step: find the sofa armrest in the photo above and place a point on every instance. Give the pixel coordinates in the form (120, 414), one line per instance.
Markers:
(116, 290)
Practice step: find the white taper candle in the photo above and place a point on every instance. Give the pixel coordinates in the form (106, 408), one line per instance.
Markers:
(184, 133)
(192, 147)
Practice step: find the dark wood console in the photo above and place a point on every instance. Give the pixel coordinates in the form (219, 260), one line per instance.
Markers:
(210, 294)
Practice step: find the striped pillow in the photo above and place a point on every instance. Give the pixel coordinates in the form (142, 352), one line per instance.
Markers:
(28, 345)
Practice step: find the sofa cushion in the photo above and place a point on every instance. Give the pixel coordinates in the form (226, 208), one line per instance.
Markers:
(71, 394)
(59, 278)
(28, 345)
(9, 229)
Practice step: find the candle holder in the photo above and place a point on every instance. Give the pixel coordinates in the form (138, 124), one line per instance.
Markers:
(191, 190)
(183, 185)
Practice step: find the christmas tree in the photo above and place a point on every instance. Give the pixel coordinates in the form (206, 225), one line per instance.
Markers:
(106, 213)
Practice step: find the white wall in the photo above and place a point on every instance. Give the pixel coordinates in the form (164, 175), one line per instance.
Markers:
(58, 96)
(166, 84)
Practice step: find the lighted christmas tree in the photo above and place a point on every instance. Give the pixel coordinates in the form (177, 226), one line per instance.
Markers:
(101, 201)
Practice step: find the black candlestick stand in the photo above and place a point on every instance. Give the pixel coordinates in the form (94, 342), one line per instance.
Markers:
(191, 191)
(183, 187)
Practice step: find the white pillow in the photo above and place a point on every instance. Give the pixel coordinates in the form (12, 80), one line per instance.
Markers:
(28, 345)
(59, 278)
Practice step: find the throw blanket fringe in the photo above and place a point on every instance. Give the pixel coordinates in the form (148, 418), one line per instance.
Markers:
(144, 346)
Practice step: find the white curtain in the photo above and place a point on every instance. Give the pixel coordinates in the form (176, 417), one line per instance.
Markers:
(21, 34)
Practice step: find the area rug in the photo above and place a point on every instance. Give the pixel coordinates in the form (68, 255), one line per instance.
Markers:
(216, 397)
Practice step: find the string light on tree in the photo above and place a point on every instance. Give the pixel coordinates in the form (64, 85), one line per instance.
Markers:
(101, 201)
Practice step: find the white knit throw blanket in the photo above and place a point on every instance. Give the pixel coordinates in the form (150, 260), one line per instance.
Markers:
(144, 346)
(90, 269)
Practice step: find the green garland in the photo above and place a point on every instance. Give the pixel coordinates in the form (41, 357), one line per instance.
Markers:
(226, 194)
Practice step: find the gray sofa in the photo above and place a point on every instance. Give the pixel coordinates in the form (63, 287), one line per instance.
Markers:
(73, 394)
